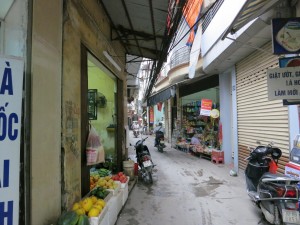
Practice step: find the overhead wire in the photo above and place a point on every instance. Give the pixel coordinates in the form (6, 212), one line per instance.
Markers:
(156, 66)
(154, 78)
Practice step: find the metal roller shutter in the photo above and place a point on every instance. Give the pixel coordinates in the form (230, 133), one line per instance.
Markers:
(259, 118)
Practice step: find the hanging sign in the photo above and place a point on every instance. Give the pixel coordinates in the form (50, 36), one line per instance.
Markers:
(151, 114)
(283, 83)
(289, 62)
(206, 105)
(285, 35)
(11, 80)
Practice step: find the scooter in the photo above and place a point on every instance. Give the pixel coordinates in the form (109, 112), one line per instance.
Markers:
(275, 194)
(136, 132)
(160, 141)
(144, 160)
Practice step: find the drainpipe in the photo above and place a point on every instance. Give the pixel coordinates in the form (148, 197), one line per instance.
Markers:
(27, 118)
(234, 122)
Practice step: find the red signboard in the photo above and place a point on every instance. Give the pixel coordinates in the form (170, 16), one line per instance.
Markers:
(151, 115)
(206, 105)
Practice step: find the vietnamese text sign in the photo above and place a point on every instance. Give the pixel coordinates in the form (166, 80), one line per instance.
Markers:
(151, 114)
(11, 80)
(283, 83)
(206, 105)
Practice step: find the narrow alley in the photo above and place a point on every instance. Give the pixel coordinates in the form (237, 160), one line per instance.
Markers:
(188, 190)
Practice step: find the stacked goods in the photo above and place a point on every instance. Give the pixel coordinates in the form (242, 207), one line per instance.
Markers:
(99, 192)
(72, 218)
(68, 218)
(120, 177)
(93, 181)
(96, 175)
(104, 172)
(90, 206)
(107, 183)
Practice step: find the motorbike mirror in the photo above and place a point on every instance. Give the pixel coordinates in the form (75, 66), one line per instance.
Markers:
(276, 153)
(258, 142)
(130, 144)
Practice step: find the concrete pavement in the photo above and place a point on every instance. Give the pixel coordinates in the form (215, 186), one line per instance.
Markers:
(188, 190)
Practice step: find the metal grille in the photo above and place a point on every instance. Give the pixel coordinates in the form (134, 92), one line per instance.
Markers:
(180, 56)
(210, 14)
(258, 118)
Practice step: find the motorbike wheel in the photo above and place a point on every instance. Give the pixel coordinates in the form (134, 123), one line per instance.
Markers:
(160, 148)
(148, 177)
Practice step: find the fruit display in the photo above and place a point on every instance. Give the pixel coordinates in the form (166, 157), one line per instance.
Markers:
(91, 210)
(96, 175)
(83, 220)
(104, 172)
(105, 182)
(120, 177)
(90, 206)
(68, 218)
(99, 192)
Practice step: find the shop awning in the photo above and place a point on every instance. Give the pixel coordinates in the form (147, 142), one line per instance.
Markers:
(161, 96)
(251, 10)
(198, 85)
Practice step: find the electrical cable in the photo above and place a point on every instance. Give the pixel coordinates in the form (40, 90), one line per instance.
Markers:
(154, 78)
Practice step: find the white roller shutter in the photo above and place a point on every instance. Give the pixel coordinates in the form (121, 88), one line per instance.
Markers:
(259, 118)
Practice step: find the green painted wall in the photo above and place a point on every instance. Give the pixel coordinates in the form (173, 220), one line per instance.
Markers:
(98, 79)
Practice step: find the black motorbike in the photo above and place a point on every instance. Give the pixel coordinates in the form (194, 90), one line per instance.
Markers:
(275, 194)
(160, 141)
(144, 160)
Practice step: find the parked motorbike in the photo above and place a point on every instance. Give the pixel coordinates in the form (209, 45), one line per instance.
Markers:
(275, 194)
(160, 141)
(144, 160)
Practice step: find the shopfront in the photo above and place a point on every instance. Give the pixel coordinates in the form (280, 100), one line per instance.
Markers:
(199, 117)
(101, 119)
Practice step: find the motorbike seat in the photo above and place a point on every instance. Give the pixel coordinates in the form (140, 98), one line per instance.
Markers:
(272, 175)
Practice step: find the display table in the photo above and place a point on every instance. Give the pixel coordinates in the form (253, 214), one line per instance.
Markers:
(114, 206)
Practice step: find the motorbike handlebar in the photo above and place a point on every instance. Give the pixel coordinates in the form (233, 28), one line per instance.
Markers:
(144, 139)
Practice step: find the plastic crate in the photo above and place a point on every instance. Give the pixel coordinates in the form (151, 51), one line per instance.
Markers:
(217, 156)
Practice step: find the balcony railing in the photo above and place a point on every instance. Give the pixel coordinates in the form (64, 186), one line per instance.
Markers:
(180, 56)
(210, 14)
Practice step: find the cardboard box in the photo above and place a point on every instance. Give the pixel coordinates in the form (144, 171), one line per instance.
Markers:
(114, 207)
(98, 220)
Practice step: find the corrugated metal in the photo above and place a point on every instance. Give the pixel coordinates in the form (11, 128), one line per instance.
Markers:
(251, 10)
(259, 118)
